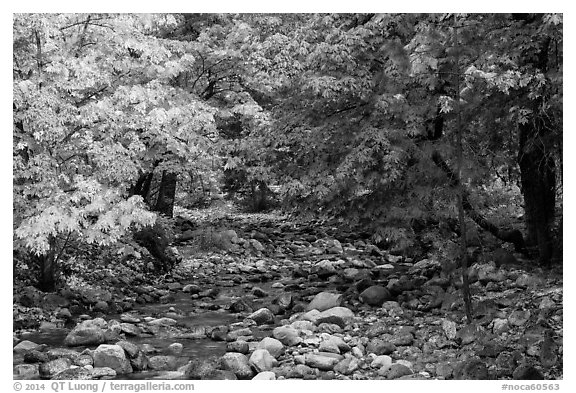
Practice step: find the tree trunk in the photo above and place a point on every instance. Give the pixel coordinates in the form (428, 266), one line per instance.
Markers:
(47, 265)
(536, 161)
(512, 236)
(538, 180)
(166, 194)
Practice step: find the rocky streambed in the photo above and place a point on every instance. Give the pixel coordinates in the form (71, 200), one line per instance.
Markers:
(272, 307)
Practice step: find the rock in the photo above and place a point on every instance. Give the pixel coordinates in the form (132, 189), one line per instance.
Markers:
(129, 318)
(101, 306)
(198, 369)
(330, 328)
(35, 357)
(26, 371)
(333, 342)
(333, 246)
(265, 376)
(350, 274)
(84, 360)
(500, 325)
(161, 362)
(25, 346)
(219, 333)
(162, 322)
(336, 315)
(529, 281)
(239, 305)
(96, 322)
(256, 245)
(131, 349)
(174, 286)
(320, 362)
(378, 346)
(381, 361)
(55, 353)
(395, 371)
(449, 328)
(444, 370)
(262, 316)
(261, 360)
(229, 236)
(473, 369)
(192, 289)
(175, 348)
(402, 340)
(85, 336)
(468, 333)
(329, 346)
(259, 292)
(305, 325)
(78, 373)
(239, 346)
(235, 334)
(324, 269)
(112, 356)
(287, 335)
(377, 329)
(357, 351)
(375, 295)
(503, 257)
(527, 372)
(284, 301)
(347, 366)
(130, 329)
(272, 345)
(519, 317)
(324, 301)
(237, 363)
(301, 371)
(103, 372)
(220, 375)
(53, 367)
(64, 313)
(425, 267)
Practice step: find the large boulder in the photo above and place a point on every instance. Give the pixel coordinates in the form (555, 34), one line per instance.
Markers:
(162, 362)
(199, 369)
(112, 356)
(238, 364)
(265, 376)
(321, 362)
(272, 345)
(287, 335)
(85, 336)
(262, 316)
(325, 300)
(53, 367)
(375, 295)
(25, 346)
(261, 360)
(335, 315)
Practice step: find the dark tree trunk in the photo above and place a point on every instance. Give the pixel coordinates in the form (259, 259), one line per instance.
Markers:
(538, 180)
(47, 265)
(166, 194)
(143, 184)
(47, 279)
(536, 161)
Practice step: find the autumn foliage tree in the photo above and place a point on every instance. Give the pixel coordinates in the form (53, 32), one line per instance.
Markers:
(351, 115)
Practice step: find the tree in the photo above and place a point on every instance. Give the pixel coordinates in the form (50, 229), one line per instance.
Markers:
(365, 105)
(94, 110)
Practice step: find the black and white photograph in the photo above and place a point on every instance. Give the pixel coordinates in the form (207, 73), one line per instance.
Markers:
(286, 196)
